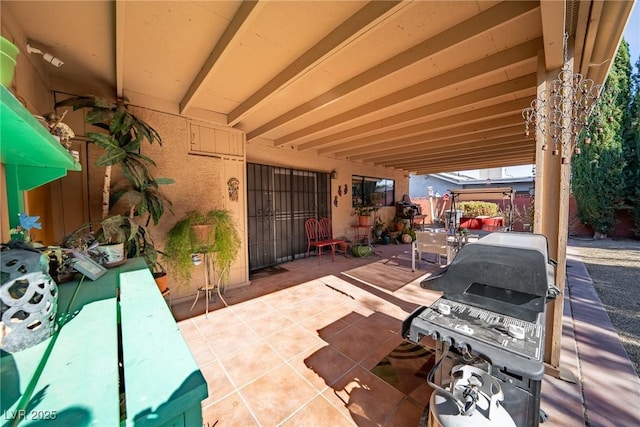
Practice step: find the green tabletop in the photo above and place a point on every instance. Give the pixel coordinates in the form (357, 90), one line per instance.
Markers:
(71, 379)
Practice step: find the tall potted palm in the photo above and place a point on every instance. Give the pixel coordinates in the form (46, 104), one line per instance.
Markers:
(122, 136)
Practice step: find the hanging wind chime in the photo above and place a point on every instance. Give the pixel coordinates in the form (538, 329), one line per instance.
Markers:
(568, 106)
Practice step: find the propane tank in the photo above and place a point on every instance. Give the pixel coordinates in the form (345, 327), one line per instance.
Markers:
(472, 400)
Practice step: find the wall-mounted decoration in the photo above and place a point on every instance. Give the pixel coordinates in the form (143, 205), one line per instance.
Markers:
(233, 185)
(346, 189)
(340, 191)
(335, 201)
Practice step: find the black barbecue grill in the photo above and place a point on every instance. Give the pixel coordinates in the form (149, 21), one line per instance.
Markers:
(492, 313)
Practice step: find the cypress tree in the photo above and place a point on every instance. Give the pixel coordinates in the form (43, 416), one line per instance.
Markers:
(598, 173)
(631, 138)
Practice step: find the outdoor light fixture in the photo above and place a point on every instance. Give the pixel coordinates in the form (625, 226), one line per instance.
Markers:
(569, 105)
(56, 62)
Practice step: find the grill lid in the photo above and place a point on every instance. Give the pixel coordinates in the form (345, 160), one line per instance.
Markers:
(509, 273)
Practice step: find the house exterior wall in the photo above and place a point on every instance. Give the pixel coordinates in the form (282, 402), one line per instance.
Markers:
(264, 152)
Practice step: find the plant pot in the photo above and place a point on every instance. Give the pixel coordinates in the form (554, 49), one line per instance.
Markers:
(364, 220)
(202, 237)
(162, 281)
(112, 254)
(360, 251)
(399, 226)
(8, 54)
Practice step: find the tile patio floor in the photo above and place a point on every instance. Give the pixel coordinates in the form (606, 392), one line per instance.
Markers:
(297, 349)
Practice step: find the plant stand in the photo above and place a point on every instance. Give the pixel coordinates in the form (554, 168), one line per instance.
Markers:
(210, 285)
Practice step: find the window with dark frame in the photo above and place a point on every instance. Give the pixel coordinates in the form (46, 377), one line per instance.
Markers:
(370, 191)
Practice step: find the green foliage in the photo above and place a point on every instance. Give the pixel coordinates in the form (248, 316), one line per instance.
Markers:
(379, 224)
(631, 150)
(598, 178)
(141, 190)
(121, 143)
(474, 209)
(116, 229)
(363, 210)
(410, 231)
(224, 241)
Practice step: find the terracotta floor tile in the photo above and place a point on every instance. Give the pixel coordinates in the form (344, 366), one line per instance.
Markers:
(406, 414)
(318, 413)
(276, 395)
(250, 310)
(292, 341)
(218, 384)
(369, 399)
(230, 340)
(421, 394)
(251, 363)
(354, 343)
(270, 323)
(300, 311)
(229, 412)
(280, 299)
(379, 352)
(380, 323)
(188, 329)
(215, 322)
(201, 351)
(322, 365)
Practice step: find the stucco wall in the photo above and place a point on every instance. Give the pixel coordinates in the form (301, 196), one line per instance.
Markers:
(264, 152)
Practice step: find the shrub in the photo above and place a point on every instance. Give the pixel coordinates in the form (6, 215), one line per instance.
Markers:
(474, 209)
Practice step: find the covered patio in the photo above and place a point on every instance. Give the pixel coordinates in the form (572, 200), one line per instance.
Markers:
(312, 346)
(379, 89)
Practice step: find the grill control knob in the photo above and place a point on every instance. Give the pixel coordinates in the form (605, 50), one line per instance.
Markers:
(444, 308)
(434, 335)
(464, 348)
(516, 332)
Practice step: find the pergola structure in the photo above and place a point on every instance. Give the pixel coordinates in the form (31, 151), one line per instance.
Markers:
(418, 86)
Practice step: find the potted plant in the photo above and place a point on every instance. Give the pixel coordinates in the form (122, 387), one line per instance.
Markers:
(139, 193)
(408, 235)
(399, 223)
(363, 213)
(378, 227)
(214, 231)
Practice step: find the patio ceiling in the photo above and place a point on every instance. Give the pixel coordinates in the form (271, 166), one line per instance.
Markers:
(421, 86)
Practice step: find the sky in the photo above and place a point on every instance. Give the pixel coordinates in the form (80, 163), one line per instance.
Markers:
(632, 33)
(632, 36)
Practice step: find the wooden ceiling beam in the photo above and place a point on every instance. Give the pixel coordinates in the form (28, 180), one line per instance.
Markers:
(427, 151)
(525, 84)
(485, 21)
(479, 115)
(358, 24)
(454, 160)
(470, 164)
(477, 131)
(553, 15)
(239, 22)
(495, 63)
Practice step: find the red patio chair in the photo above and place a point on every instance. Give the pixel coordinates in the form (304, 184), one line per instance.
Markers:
(315, 239)
(326, 231)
